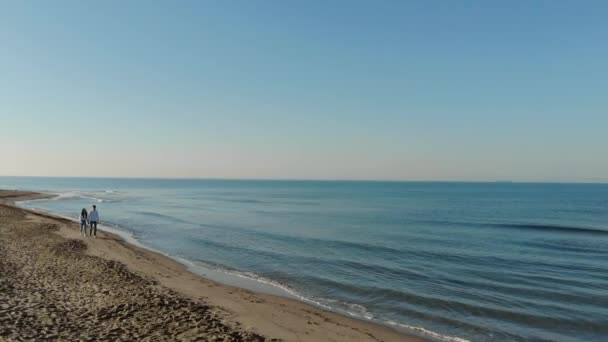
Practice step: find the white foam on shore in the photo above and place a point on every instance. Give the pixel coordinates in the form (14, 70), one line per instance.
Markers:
(63, 195)
(77, 194)
(427, 334)
(249, 280)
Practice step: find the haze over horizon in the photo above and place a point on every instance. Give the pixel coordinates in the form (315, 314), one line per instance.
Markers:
(311, 90)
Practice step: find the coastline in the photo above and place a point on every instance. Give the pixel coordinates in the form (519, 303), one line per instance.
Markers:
(274, 317)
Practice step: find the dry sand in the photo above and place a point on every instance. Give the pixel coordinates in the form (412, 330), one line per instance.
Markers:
(56, 284)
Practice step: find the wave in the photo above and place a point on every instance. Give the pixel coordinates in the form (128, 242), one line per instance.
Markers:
(437, 303)
(528, 288)
(447, 305)
(390, 253)
(215, 198)
(522, 226)
(569, 246)
(549, 227)
(395, 255)
(314, 241)
(375, 270)
(244, 201)
(163, 216)
(275, 200)
(65, 195)
(425, 333)
(75, 195)
(398, 255)
(586, 210)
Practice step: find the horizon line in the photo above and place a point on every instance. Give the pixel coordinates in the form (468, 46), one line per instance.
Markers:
(503, 181)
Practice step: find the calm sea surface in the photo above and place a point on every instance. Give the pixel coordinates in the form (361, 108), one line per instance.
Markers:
(478, 261)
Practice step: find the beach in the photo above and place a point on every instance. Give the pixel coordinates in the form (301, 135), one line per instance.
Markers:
(56, 284)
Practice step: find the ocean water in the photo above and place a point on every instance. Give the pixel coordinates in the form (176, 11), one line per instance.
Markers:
(450, 261)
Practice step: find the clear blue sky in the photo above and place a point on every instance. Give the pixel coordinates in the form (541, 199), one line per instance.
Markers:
(452, 90)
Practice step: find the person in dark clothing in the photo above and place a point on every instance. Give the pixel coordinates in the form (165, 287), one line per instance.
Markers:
(84, 216)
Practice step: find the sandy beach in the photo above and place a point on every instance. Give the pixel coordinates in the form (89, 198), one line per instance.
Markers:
(56, 284)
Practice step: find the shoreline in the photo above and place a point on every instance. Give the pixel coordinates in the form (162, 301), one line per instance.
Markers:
(273, 316)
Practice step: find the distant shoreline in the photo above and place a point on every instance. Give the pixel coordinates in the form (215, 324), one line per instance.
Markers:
(264, 314)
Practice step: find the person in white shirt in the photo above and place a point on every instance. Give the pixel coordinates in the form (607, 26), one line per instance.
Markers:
(83, 222)
(93, 219)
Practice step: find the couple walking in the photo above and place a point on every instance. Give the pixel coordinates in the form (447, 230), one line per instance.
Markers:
(91, 218)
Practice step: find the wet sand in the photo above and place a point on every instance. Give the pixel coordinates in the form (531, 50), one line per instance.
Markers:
(56, 284)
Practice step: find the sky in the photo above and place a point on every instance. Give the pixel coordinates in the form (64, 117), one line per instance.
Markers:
(396, 90)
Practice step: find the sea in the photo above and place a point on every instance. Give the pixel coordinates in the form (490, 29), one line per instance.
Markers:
(448, 261)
